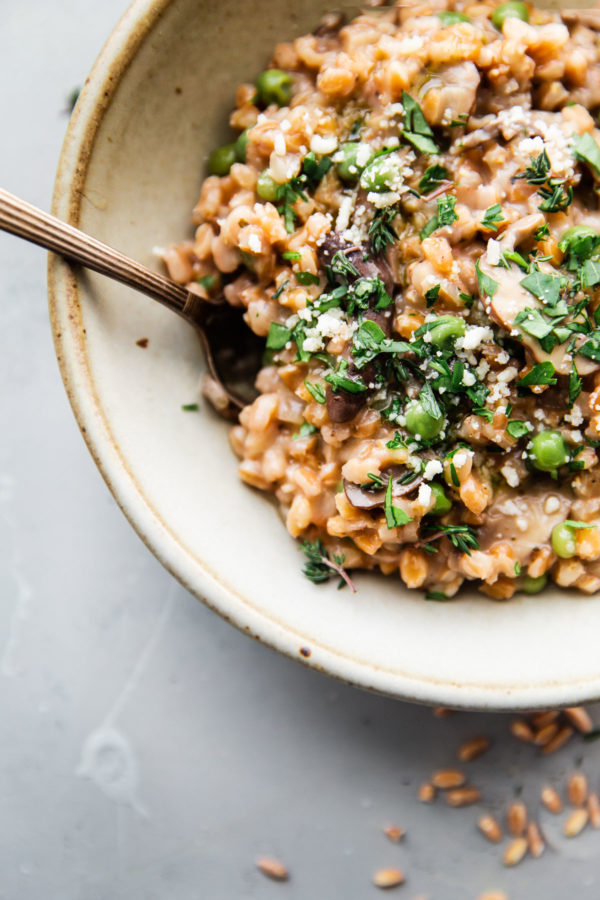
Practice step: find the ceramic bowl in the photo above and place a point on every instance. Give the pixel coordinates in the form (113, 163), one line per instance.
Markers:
(154, 105)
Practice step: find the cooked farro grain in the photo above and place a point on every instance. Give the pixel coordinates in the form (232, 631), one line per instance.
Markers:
(463, 796)
(516, 818)
(272, 868)
(551, 800)
(388, 878)
(471, 750)
(577, 789)
(409, 219)
(445, 779)
(576, 822)
(515, 851)
(490, 828)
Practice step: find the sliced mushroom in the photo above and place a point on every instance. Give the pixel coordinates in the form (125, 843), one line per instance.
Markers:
(362, 498)
(510, 299)
(366, 268)
(342, 406)
(523, 519)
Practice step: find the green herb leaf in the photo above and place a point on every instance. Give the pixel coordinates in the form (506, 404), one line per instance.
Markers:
(542, 285)
(381, 230)
(207, 281)
(190, 407)
(416, 128)
(432, 177)
(396, 442)
(542, 373)
(587, 151)
(432, 294)
(278, 336)
(538, 170)
(437, 596)
(518, 429)
(446, 215)
(306, 278)
(394, 516)
(463, 537)
(591, 348)
(487, 285)
(493, 217)
(280, 289)
(292, 255)
(486, 414)
(575, 523)
(429, 402)
(306, 430)
(575, 384)
(320, 567)
(534, 323)
(316, 391)
(450, 17)
(590, 273)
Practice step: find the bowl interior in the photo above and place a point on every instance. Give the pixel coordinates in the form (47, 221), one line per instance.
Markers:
(157, 101)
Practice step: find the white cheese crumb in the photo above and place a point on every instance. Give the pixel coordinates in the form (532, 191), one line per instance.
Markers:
(522, 523)
(425, 495)
(475, 335)
(254, 243)
(469, 379)
(345, 211)
(432, 468)
(551, 505)
(493, 252)
(511, 475)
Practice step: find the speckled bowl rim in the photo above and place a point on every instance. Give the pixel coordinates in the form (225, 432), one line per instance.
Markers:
(70, 345)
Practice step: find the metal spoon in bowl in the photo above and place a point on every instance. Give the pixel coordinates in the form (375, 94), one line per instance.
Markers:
(232, 351)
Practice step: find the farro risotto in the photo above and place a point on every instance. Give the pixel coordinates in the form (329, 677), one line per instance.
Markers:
(409, 219)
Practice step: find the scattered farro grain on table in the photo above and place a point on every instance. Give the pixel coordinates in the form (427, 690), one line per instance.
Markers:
(473, 749)
(515, 852)
(551, 799)
(272, 868)
(445, 779)
(490, 828)
(388, 878)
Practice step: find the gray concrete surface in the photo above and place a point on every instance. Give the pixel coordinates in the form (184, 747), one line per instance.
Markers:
(148, 750)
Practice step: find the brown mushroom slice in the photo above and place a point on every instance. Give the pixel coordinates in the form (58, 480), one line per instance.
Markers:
(361, 498)
(342, 406)
(370, 268)
(524, 520)
(510, 299)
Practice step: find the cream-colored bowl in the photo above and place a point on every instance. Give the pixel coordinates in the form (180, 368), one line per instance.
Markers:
(154, 105)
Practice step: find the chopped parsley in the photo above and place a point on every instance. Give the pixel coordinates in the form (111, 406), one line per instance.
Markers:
(587, 151)
(289, 193)
(280, 290)
(518, 429)
(306, 278)
(292, 255)
(416, 128)
(432, 178)
(278, 336)
(305, 430)
(575, 385)
(316, 391)
(493, 217)
(432, 294)
(555, 198)
(446, 215)
(542, 373)
(207, 281)
(487, 285)
(190, 407)
(394, 516)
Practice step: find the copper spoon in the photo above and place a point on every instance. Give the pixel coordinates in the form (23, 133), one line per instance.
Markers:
(224, 336)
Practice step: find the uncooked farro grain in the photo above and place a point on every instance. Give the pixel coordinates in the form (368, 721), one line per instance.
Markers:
(426, 792)
(522, 731)
(516, 818)
(394, 833)
(473, 749)
(593, 807)
(445, 779)
(551, 799)
(272, 868)
(535, 840)
(515, 852)
(463, 796)
(577, 789)
(490, 828)
(558, 741)
(575, 822)
(580, 718)
(388, 878)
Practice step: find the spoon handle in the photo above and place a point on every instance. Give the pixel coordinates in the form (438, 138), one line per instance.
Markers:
(30, 223)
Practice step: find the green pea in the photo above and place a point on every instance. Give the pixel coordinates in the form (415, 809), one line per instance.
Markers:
(381, 173)
(450, 17)
(534, 585)
(348, 168)
(443, 504)
(548, 451)
(221, 160)
(240, 146)
(513, 9)
(563, 541)
(446, 329)
(266, 187)
(420, 422)
(578, 243)
(274, 86)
